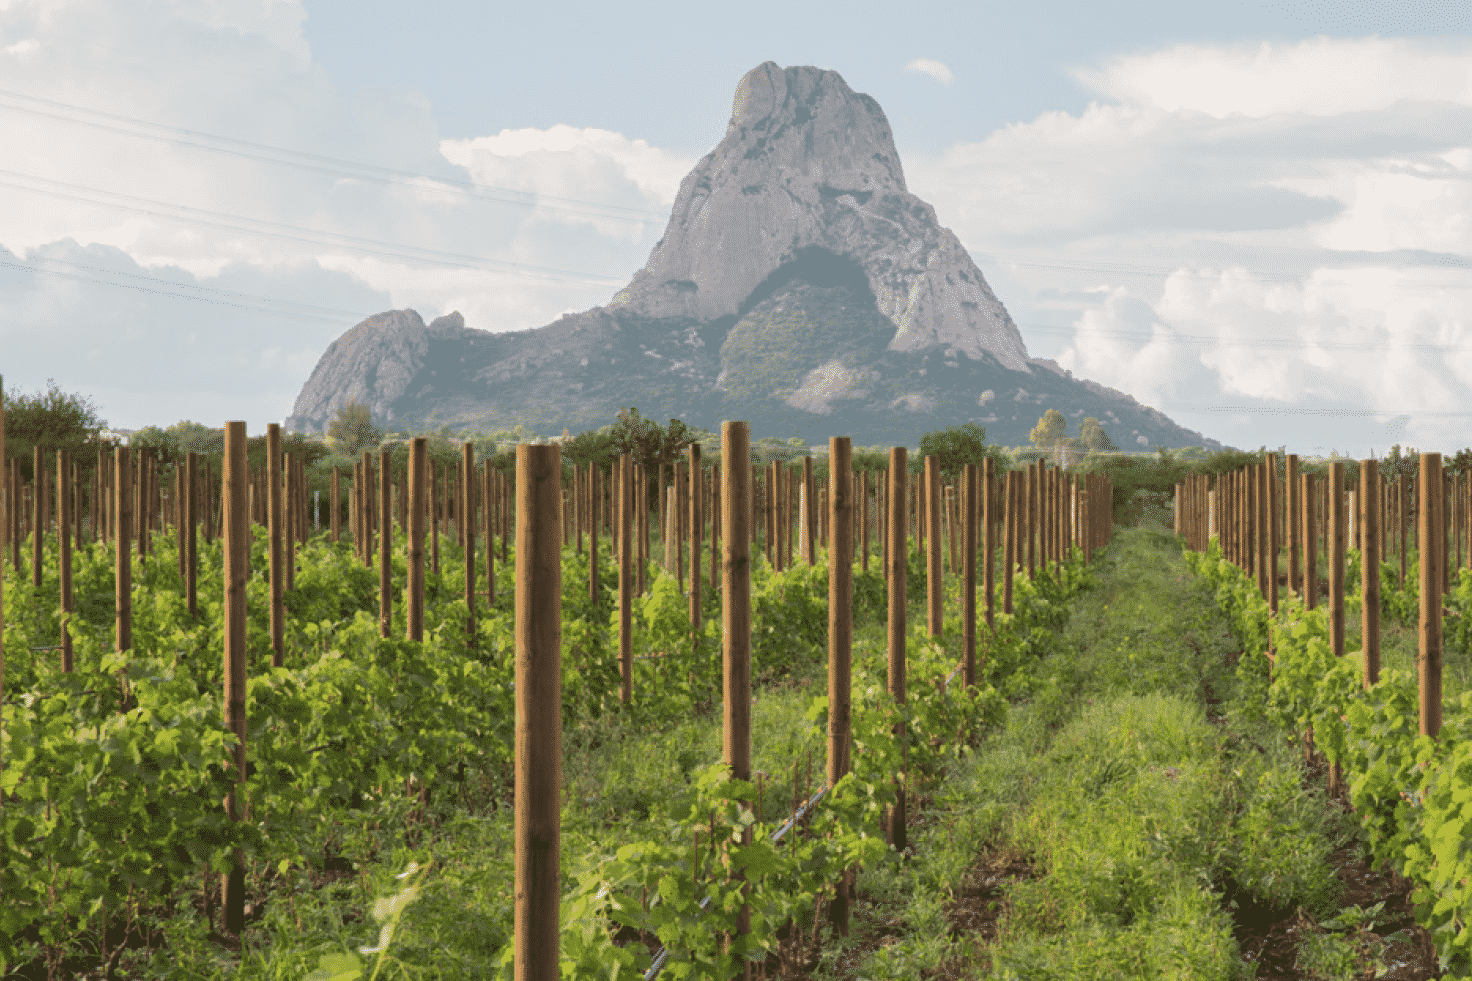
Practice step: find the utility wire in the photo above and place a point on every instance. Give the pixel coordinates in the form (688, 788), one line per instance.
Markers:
(181, 296)
(296, 233)
(334, 166)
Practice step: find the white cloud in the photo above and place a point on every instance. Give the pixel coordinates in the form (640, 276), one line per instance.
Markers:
(1312, 195)
(935, 69)
(1321, 76)
(107, 118)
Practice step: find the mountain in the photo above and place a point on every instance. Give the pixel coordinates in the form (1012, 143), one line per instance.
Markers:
(799, 285)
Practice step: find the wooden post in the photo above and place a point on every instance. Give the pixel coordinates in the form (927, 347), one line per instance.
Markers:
(385, 544)
(1270, 498)
(988, 541)
(1370, 571)
(334, 495)
(898, 550)
(274, 521)
(467, 511)
(1336, 557)
(934, 579)
(538, 784)
(1306, 498)
(64, 551)
(290, 524)
(840, 636)
(626, 549)
(716, 528)
(592, 536)
(38, 513)
(1013, 538)
(191, 541)
(696, 519)
(418, 465)
(1430, 539)
(123, 633)
(434, 518)
(968, 573)
(237, 545)
(810, 513)
(1295, 568)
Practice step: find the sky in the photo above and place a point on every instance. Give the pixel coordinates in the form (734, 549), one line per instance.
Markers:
(1255, 217)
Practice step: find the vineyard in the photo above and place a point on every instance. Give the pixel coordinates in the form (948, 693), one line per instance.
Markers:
(716, 722)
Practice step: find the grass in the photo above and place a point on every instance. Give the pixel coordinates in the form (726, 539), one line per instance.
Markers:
(1142, 800)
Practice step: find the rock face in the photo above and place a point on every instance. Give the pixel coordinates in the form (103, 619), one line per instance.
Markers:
(798, 285)
(807, 163)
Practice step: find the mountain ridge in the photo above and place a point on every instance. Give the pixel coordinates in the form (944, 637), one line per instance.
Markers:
(798, 285)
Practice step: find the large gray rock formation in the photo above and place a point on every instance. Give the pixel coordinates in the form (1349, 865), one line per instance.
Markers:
(798, 285)
(807, 163)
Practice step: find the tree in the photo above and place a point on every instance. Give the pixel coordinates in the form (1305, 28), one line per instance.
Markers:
(651, 444)
(594, 446)
(52, 420)
(1094, 438)
(1051, 436)
(957, 446)
(1051, 428)
(352, 429)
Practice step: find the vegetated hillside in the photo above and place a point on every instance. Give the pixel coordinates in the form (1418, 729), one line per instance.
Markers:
(798, 285)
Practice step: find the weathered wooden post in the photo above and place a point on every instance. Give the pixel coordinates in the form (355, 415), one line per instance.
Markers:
(1013, 535)
(1295, 568)
(418, 465)
(627, 548)
(237, 544)
(191, 543)
(38, 514)
(1307, 497)
(487, 482)
(468, 515)
(274, 520)
(593, 537)
(434, 518)
(289, 524)
(334, 495)
(1430, 539)
(123, 632)
(1370, 571)
(968, 573)
(810, 513)
(934, 578)
(64, 492)
(840, 637)
(898, 551)
(988, 543)
(1336, 557)
(538, 785)
(385, 546)
(696, 519)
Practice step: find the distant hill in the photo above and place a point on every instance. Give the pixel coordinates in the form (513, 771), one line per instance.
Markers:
(798, 285)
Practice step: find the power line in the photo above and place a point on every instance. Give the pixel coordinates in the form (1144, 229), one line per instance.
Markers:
(202, 216)
(171, 282)
(337, 166)
(181, 296)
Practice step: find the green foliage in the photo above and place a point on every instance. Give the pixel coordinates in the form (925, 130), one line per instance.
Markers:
(352, 429)
(957, 446)
(52, 420)
(651, 444)
(1051, 429)
(1408, 790)
(1094, 438)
